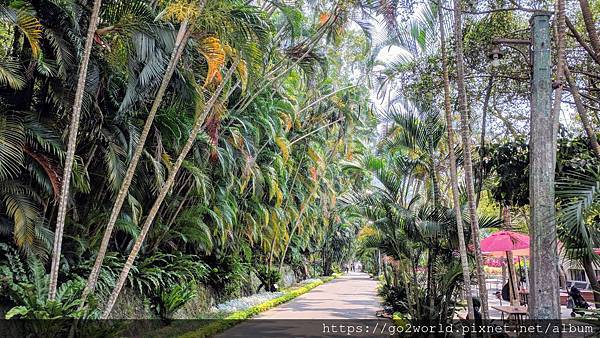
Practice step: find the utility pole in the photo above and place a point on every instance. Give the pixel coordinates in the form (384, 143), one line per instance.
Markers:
(544, 293)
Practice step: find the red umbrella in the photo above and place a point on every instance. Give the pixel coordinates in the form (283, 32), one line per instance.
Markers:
(505, 241)
(518, 252)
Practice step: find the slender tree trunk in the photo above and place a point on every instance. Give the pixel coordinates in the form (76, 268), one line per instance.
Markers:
(163, 192)
(588, 266)
(585, 120)
(71, 146)
(482, 150)
(468, 163)
(180, 42)
(581, 41)
(437, 195)
(559, 32)
(590, 25)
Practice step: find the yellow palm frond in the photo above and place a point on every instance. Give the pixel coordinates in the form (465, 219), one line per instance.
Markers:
(212, 50)
(283, 147)
(32, 29)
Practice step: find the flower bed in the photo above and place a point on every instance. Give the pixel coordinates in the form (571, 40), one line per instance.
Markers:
(244, 303)
(236, 317)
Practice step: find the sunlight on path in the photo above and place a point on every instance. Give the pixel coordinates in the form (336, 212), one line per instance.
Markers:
(352, 296)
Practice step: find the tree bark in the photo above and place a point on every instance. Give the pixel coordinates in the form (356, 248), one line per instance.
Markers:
(583, 44)
(585, 119)
(462, 247)
(559, 32)
(590, 25)
(468, 162)
(180, 42)
(486, 104)
(71, 146)
(163, 192)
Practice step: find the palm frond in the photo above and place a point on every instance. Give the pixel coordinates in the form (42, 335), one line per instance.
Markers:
(10, 74)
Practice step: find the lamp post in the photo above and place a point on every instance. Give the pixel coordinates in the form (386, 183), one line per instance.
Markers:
(543, 271)
(543, 275)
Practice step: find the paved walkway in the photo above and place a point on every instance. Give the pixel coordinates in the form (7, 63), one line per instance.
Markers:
(350, 297)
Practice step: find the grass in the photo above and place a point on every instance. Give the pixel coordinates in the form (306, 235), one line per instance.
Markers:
(216, 326)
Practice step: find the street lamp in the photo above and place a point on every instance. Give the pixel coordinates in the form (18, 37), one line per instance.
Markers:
(495, 55)
(544, 296)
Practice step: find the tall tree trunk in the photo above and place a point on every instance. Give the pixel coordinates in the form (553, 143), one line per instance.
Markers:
(581, 41)
(585, 120)
(462, 247)
(482, 150)
(71, 146)
(435, 184)
(544, 296)
(180, 42)
(588, 267)
(164, 190)
(561, 66)
(590, 25)
(468, 162)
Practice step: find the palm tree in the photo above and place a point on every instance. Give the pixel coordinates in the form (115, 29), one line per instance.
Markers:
(406, 229)
(462, 247)
(579, 196)
(71, 147)
(164, 190)
(180, 42)
(468, 162)
(420, 133)
(24, 23)
(24, 141)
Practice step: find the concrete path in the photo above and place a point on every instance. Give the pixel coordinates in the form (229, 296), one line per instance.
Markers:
(352, 296)
(344, 300)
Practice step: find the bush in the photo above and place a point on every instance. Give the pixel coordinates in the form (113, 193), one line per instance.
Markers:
(27, 290)
(172, 300)
(394, 297)
(268, 278)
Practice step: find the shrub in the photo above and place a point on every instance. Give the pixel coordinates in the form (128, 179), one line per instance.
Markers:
(394, 297)
(173, 299)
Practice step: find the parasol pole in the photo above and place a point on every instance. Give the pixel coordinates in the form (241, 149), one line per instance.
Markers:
(513, 293)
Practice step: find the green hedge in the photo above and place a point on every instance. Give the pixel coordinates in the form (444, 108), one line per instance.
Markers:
(237, 317)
